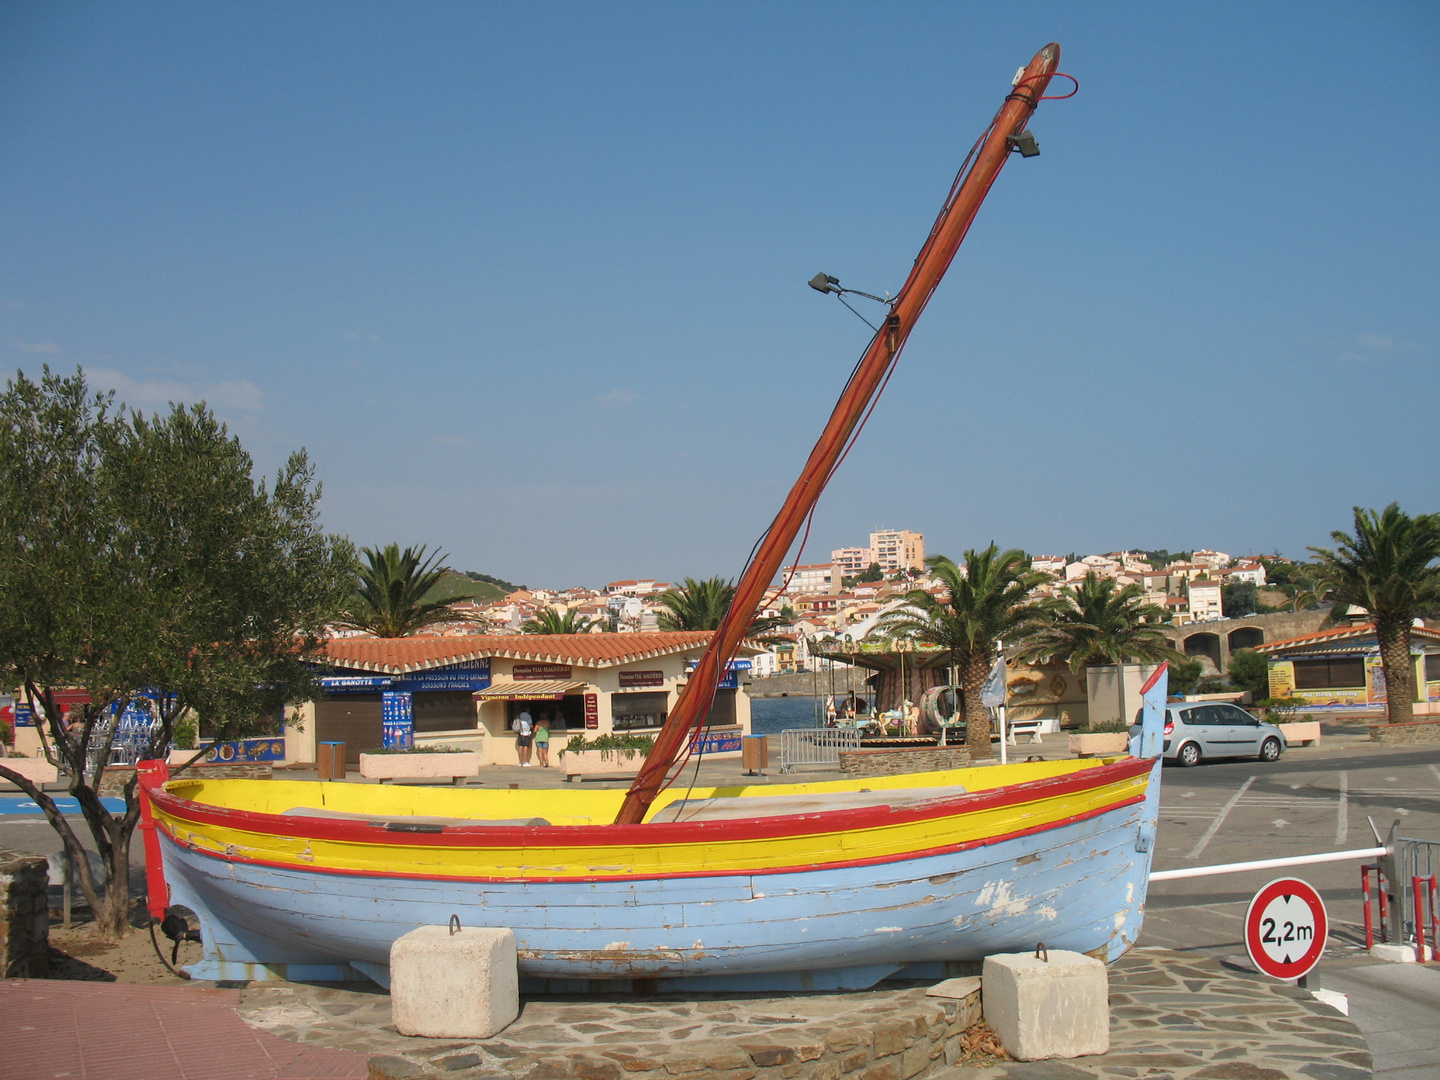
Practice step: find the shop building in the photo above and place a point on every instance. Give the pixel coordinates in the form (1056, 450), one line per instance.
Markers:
(1339, 670)
(466, 691)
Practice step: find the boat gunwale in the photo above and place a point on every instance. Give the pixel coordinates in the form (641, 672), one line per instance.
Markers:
(808, 824)
(229, 856)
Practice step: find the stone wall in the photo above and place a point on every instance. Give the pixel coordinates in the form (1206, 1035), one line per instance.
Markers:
(884, 762)
(1421, 731)
(114, 779)
(906, 1036)
(24, 915)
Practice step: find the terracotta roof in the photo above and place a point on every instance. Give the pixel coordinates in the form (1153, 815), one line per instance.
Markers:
(401, 655)
(1343, 633)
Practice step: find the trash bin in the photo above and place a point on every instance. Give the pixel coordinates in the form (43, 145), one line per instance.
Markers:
(754, 754)
(330, 763)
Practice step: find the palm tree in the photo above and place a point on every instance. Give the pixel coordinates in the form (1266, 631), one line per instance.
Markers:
(1100, 622)
(700, 605)
(989, 601)
(551, 621)
(1388, 568)
(391, 589)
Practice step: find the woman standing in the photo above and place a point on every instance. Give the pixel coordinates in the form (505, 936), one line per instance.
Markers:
(524, 734)
(542, 742)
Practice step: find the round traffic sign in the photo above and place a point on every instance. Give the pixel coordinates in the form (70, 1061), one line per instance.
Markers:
(1286, 928)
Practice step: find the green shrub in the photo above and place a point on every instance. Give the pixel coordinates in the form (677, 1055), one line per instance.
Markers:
(610, 741)
(426, 749)
(187, 732)
(1279, 710)
(1109, 727)
(1185, 675)
(1212, 684)
(7, 733)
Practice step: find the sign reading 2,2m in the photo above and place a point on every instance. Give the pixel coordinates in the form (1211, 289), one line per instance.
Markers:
(1285, 928)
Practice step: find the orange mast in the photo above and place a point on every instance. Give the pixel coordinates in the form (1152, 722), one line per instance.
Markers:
(930, 266)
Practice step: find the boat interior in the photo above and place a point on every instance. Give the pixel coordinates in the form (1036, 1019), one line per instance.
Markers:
(438, 806)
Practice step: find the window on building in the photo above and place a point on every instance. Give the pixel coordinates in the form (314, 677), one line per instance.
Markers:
(629, 712)
(1347, 672)
(443, 711)
(1432, 667)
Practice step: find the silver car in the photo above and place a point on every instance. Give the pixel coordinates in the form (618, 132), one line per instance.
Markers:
(1195, 730)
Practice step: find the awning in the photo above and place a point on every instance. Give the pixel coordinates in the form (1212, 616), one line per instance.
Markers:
(530, 689)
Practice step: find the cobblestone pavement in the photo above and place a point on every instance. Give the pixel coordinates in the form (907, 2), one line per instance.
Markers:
(1171, 1016)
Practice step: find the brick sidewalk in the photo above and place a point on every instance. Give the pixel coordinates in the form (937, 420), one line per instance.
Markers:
(56, 1029)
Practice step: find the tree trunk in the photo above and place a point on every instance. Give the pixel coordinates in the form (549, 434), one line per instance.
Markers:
(977, 716)
(1399, 672)
(112, 918)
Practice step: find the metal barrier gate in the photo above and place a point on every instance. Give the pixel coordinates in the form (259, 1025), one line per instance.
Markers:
(815, 746)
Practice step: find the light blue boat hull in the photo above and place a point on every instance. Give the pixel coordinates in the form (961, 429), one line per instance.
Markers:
(1079, 885)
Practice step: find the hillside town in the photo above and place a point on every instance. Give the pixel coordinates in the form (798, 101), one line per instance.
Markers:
(849, 595)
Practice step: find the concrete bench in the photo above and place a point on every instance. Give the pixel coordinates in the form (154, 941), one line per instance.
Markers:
(457, 766)
(37, 770)
(1301, 733)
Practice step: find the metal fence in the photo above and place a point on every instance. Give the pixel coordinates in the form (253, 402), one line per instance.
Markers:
(815, 746)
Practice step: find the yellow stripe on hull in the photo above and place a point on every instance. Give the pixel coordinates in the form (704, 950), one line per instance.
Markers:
(534, 854)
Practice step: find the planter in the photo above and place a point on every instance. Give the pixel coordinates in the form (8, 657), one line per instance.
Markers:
(1099, 743)
(36, 770)
(1301, 733)
(600, 762)
(455, 766)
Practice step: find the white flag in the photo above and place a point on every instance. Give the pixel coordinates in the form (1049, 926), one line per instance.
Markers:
(992, 694)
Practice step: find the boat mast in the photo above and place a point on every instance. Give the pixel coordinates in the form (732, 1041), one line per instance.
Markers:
(930, 266)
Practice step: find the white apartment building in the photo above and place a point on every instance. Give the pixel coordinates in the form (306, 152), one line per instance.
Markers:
(1204, 599)
(811, 578)
(1213, 559)
(1054, 565)
(898, 549)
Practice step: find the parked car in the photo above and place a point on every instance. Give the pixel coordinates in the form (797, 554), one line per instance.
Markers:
(1195, 730)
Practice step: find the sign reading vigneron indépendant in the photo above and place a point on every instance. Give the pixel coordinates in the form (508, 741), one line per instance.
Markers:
(1285, 928)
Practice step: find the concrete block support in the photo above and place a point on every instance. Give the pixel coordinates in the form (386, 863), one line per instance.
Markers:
(454, 985)
(1047, 1008)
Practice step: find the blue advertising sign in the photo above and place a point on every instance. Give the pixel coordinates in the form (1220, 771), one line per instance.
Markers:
(474, 676)
(722, 743)
(397, 718)
(23, 716)
(244, 750)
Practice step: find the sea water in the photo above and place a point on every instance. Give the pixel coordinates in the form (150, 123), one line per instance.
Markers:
(770, 716)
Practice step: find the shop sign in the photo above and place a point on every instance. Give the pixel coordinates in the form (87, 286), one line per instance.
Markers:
(725, 743)
(397, 719)
(738, 664)
(352, 683)
(476, 677)
(24, 717)
(244, 750)
(592, 712)
(631, 679)
(536, 672)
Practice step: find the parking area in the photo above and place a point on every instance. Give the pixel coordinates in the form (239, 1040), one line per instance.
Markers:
(1310, 801)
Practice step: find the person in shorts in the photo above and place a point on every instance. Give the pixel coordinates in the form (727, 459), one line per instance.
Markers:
(524, 729)
(542, 742)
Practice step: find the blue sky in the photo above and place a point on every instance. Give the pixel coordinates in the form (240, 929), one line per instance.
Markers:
(528, 280)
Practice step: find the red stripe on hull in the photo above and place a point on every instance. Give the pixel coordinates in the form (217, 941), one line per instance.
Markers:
(771, 828)
(878, 860)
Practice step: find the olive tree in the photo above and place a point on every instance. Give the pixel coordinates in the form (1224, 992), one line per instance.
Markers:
(141, 561)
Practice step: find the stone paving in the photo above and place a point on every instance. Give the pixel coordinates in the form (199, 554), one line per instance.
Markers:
(1172, 1016)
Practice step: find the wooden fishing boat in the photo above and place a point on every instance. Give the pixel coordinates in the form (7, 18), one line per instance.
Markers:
(797, 886)
(819, 886)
